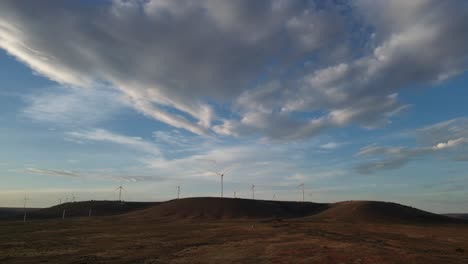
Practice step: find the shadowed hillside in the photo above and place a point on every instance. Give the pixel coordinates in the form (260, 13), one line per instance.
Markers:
(379, 212)
(354, 211)
(460, 216)
(226, 208)
(9, 212)
(80, 209)
(210, 208)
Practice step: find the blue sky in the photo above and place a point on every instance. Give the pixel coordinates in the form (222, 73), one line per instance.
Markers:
(156, 94)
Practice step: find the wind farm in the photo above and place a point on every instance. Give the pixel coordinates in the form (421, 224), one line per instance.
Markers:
(232, 230)
(245, 228)
(234, 131)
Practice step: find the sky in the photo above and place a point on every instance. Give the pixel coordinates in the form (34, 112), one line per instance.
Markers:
(358, 100)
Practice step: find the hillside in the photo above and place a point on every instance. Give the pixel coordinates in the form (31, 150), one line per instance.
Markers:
(379, 212)
(226, 208)
(460, 216)
(80, 209)
(351, 212)
(9, 212)
(209, 208)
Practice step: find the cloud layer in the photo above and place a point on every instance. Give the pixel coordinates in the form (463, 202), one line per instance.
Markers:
(283, 69)
(450, 136)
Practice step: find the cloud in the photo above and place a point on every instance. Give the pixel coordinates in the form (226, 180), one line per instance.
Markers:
(175, 138)
(102, 135)
(50, 172)
(390, 158)
(92, 175)
(281, 69)
(71, 105)
(453, 143)
(330, 145)
(443, 131)
(253, 162)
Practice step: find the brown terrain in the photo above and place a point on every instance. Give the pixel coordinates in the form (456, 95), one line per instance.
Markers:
(214, 230)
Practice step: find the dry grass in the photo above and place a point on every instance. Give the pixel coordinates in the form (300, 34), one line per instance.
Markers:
(121, 239)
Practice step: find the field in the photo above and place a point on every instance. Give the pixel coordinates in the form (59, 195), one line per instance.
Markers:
(156, 235)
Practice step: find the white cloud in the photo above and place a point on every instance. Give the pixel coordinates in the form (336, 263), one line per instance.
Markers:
(390, 158)
(153, 53)
(51, 172)
(92, 175)
(71, 105)
(443, 131)
(330, 145)
(451, 143)
(102, 135)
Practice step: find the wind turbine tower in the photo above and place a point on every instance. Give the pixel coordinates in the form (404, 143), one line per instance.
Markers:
(302, 187)
(178, 192)
(253, 191)
(24, 207)
(120, 188)
(221, 174)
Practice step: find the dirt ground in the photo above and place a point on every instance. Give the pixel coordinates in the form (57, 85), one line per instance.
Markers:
(119, 239)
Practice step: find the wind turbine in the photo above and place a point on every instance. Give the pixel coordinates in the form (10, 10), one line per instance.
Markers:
(178, 192)
(24, 207)
(73, 197)
(221, 174)
(302, 186)
(235, 194)
(120, 188)
(59, 200)
(253, 191)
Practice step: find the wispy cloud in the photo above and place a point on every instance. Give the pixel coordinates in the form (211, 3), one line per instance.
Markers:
(452, 133)
(93, 175)
(66, 105)
(52, 172)
(102, 135)
(331, 145)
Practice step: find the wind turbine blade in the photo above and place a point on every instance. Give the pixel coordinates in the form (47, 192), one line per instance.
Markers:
(215, 172)
(227, 170)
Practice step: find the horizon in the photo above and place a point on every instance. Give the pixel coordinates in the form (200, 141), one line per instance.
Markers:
(356, 100)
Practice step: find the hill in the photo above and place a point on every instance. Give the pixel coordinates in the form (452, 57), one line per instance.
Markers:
(210, 208)
(227, 208)
(351, 212)
(460, 216)
(8, 212)
(379, 212)
(81, 209)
